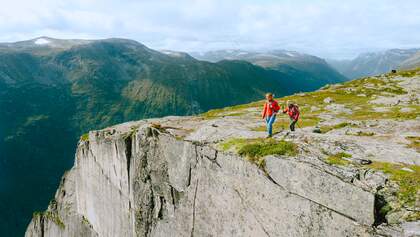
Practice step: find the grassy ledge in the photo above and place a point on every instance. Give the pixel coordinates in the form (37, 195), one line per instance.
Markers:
(256, 149)
(84, 137)
(52, 216)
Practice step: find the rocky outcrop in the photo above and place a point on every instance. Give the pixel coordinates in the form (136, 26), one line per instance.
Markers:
(149, 183)
(176, 176)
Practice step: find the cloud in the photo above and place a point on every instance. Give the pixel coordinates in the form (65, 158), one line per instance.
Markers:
(323, 27)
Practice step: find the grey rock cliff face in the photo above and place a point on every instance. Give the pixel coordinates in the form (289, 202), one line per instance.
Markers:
(174, 176)
(145, 182)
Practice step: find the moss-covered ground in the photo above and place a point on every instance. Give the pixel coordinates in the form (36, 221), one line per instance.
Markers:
(414, 142)
(84, 137)
(407, 177)
(325, 129)
(338, 159)
(52, 216)
(354, 95)
(256, 149)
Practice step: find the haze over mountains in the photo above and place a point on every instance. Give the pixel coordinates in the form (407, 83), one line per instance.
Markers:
(373, 63)
(52, 91)
(366, 64)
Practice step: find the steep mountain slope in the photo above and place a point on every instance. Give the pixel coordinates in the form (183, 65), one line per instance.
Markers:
(369, 64)
(351, 169)
(52, 91)
(303, 67)
(412, 62)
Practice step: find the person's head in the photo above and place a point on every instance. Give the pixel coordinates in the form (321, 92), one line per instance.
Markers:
(269, 96)
(290, 103)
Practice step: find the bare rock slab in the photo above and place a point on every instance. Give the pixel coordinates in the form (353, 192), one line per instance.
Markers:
(323, 188)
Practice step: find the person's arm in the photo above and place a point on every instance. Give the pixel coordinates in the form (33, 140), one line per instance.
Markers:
(276, 107)
(285, 110)
(264, 112)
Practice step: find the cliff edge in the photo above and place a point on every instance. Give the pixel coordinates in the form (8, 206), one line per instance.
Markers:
(351, 169)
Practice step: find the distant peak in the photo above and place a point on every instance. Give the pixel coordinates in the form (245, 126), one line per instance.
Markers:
(42, 41)
(175, 54)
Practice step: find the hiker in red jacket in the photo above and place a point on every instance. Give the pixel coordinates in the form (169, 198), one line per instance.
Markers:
(293, 111)
(271, 107)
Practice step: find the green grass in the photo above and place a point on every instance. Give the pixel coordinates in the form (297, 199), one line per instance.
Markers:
(415, 143)
(413, 216)
(408, 73)
(234, 143)
(325, 129)
(346, 94)
(307, 121)
(52, 216)
(85, 221)
(367, 113)
(37, 214)
(409, 182)
(283, 122)
(338, 159)
(84, 137)
(280, 124)
(236, 110)
(361, 134)
(256, 149)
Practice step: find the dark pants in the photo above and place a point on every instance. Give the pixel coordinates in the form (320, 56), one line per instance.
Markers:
(292, 124)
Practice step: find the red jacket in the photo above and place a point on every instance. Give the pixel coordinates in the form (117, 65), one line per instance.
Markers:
(270, 108)
(292, 111)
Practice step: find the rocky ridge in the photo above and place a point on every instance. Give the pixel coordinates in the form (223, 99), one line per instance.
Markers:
(351, 169)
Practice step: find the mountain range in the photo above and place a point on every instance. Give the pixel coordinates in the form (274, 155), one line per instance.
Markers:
(373, 63)
(52, 91)
(301, 66)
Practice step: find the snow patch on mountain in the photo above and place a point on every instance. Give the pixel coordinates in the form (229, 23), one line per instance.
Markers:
(42, 41)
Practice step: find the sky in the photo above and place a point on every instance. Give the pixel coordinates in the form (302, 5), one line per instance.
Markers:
(331, 29)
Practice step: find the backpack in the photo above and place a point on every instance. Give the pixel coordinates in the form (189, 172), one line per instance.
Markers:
(294, 110)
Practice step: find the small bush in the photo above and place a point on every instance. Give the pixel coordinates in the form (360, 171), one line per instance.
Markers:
(270, 147)
(50, 215)
(84, 137)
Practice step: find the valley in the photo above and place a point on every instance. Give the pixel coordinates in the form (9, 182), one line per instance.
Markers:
(52, 91)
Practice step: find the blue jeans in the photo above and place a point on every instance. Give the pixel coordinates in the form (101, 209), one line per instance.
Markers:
(270, 120)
